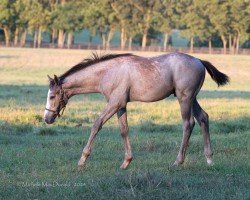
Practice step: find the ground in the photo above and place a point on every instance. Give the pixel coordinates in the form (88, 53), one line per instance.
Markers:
(39, 161)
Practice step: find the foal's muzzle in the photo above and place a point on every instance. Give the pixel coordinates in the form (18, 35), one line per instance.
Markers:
(49, 121)
(49, 117)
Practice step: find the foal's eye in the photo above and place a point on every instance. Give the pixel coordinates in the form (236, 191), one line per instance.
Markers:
(52, 97)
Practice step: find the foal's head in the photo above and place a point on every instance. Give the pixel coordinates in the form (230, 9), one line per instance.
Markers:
(56, 100)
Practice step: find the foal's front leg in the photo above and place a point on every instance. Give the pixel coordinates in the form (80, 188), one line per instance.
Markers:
(108, 112)
(122, 119)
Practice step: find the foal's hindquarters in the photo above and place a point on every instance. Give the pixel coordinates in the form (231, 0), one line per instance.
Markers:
(192, 75)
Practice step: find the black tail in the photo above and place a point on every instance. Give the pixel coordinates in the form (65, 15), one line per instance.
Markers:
(219, 77)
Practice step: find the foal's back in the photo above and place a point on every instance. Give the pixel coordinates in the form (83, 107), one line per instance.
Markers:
(155, 78)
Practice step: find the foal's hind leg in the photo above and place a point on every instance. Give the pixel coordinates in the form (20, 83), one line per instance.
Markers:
(188, 125)
(202, 118)
(122, 119)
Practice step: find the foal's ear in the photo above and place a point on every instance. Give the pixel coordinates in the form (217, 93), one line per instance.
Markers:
(56, 79)
(51, 82)
(50, 79)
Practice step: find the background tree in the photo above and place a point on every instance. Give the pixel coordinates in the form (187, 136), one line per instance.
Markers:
(67, 18)
(138, 19)
(6, 19)
(36, 16)
(101, 18)
(239, 23)
(132, 28)
(128, 21)
(220, 20)
(58, 19)
(192, 20)
(111, 21)
(21, 22)
(147, 9)
(122, 11)
(208, 30)
(164, 20)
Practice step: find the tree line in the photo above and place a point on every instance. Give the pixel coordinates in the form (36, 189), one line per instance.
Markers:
(227, 19)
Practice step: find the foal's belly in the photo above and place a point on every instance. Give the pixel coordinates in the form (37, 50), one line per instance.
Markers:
(151, 96)
(149, 89)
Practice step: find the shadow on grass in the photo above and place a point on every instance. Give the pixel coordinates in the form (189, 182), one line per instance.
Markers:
(209, 94)
(8, 56)
(218, 126)
(41, 129)
(147, 127)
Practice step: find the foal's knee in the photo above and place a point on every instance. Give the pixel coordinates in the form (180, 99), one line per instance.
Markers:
(97, 125)
(187, 126)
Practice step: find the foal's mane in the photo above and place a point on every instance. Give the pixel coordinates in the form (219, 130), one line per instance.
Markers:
(93, 59)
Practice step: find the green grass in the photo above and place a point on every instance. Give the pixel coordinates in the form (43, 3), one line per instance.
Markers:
(38, 161)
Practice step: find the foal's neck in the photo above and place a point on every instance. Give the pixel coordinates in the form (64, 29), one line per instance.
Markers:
(83, 82)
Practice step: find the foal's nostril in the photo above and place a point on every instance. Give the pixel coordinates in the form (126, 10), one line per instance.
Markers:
(46, 120)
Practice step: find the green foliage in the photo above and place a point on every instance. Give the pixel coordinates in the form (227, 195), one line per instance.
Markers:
(239, 17)
(164, 19)
(101, 18)
(228, 19)
(68, 16)
(218, 15)
(146, 10)
(128, 17)
(192, 18)
(6, 13)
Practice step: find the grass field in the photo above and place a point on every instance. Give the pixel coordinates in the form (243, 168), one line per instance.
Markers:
(38, 161)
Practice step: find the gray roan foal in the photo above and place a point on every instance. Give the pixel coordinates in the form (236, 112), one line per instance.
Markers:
(124, 78)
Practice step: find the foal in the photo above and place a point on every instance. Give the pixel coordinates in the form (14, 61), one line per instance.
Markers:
(124, 78)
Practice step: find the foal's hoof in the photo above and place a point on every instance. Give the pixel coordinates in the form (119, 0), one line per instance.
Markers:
(174, 166)
(125, 164)
(81, 165)
(177, 163)
(210, 162)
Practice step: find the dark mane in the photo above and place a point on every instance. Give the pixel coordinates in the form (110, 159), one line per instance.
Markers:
(95, 58)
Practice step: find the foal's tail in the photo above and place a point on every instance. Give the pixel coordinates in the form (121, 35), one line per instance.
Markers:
(219, 77)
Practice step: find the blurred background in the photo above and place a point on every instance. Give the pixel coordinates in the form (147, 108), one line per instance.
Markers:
(214, 26)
